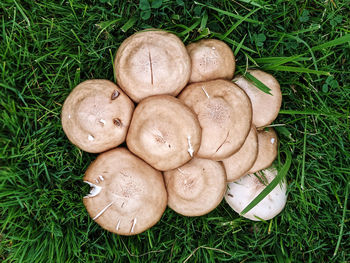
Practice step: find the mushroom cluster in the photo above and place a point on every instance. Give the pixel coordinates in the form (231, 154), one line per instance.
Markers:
(177, 129)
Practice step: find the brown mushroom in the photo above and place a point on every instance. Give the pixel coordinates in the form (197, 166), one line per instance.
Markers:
(127, 195)
(96, 115)
(211, 59)
(152, 62)
(164, 132)
(267, 149)
(238, 164)
(224, 113)
(195, 188)
(265, 106)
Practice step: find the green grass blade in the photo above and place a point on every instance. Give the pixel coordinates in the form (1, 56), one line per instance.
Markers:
(280, 176)
(257, 83)
(297, 69)
(229, 13)
(129, 24)
(332, 43)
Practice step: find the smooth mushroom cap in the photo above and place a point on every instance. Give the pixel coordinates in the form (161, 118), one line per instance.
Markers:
(243, 191)
(224, 113)
(211, 59)
(238, 164)
(150, 63)
(265, 106)
(267, 149)
(164, 132)
(128, 196)
(96, 115)
(196, 188)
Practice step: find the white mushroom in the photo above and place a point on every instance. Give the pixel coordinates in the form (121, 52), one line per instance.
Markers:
(243, 191)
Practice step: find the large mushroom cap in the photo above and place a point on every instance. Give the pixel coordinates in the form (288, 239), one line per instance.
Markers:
(265, 106)
(152, 63)
(128, 196)
(196, 188)
(224, 113)
(164, 132)
(267, 149)
(243, 191)
(211, 59)
(238, 164)
(96, 115)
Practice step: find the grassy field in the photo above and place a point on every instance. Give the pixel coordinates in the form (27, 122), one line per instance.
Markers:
(48, 47)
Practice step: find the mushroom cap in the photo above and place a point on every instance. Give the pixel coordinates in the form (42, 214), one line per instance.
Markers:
(211, 59)
(224, 113)
(164, 132)
(128, 196)
(150, 63)
(96, 115)
(265, 106)
(267, 149)
(243, 191)
(195, 188)
(238, 164)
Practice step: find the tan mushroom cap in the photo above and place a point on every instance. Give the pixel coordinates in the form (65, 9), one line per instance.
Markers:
(164, 132)
(152, 62)
(195, 188)
(265, 106)
(238, 164)
(267, 149)
(243, 191)
(224, 113)
(128, 196)
(96, 115)
(211, 59)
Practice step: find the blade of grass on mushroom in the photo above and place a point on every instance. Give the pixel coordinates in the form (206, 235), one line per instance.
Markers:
(281, 174)
(257, 83)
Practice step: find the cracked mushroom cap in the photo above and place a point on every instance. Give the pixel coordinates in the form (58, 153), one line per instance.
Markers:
(164, 132)
(96, 115)
(224, 113)
(211, 59)
(243, 191)
(127, 195)
(152, 62)
(238, 164)
(196, 188)
(265, 106)
(267, 149)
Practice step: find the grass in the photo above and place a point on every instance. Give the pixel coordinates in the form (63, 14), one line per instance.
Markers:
(48, 47)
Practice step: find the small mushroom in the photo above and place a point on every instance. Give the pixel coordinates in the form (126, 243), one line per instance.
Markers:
(243, 191)
(238, 164)
(267, 149)
(224, 113)
(265, 106)
(211, 59)
(195, 188)
(89, 112)
(164, 132)
(128, 196)
(152, 62)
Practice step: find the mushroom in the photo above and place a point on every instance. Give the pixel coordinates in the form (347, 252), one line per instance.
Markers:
(267, 149)
(238, 164)
(211, 59)
(128, 196)
(195, 188)
(265, 106)
(96, 115)
(164, 132)
(224, 113)
(243, 191)
(152, 62)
